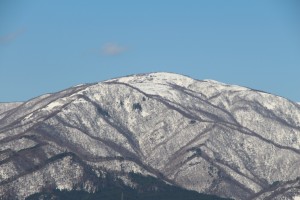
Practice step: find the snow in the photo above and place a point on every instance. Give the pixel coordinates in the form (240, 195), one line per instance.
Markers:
(28, 116)
(53, 105)
(162, 132)
(157, 83)
(78, 85)
(164, 77)
(7, 106)
(157, 78)
(220, 85)
(60, 102)
(160, 83)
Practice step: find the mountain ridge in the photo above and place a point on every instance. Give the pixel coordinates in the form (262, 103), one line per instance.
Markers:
(205, 136)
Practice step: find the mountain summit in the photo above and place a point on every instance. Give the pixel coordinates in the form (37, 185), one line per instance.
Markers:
(205, 136)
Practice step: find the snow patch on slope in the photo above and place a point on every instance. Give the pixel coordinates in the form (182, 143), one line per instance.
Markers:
(221, 86)
(8, 106)
(53, 105)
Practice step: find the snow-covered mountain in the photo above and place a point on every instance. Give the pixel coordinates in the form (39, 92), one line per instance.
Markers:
(8, 106)
(206, 136)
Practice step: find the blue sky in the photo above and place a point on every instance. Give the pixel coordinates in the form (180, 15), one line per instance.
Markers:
(47, 46)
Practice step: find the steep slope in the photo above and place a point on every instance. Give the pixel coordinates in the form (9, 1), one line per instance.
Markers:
(205, 136)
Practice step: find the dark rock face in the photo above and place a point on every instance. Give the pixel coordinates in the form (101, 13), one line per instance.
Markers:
(112, 188)
(204, 136)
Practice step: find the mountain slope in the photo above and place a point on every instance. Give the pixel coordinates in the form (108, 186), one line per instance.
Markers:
(205, 136)
(5, 107)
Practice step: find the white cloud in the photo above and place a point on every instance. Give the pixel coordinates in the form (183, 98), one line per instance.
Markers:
(113, 49)
(11, 36)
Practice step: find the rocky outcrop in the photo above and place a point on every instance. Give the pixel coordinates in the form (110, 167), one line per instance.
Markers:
(205, 136)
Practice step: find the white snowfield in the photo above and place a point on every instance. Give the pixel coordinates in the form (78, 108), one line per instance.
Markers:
(206, 136)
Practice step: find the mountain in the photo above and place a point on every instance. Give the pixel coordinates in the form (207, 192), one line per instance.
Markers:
(8, 106)
(203, 136)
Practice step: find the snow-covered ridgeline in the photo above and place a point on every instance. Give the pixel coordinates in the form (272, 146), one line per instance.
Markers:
(206, 136)
(7, 106)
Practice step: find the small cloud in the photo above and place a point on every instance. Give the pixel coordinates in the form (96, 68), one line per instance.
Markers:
(11, 36)
(112, 49)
